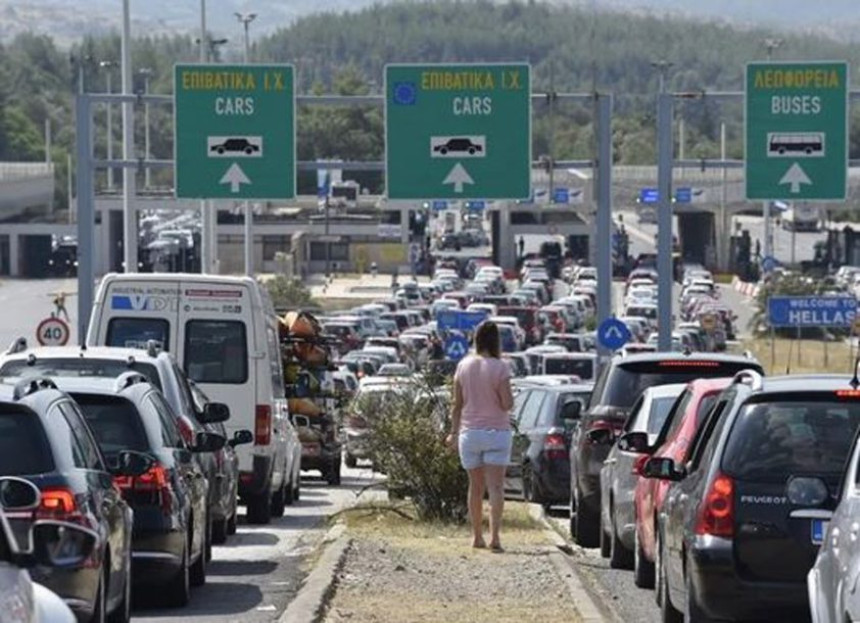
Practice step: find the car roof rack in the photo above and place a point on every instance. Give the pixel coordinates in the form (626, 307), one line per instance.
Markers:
(153, 347)
(128, 379)
(28, 387)
(19, 345)
(753, 379)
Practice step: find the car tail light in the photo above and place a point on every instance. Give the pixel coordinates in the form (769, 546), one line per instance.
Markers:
(263, 425)
(607, 424)
(716, 513)
(554, 446)
(150, 488)
(59, 504)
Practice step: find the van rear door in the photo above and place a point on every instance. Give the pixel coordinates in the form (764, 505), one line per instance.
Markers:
(130, 311)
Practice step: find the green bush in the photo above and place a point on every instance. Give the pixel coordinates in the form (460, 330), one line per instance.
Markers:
(406, 434)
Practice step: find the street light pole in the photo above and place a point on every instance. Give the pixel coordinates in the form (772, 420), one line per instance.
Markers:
(770, 44)
(129, 209)
(108, 66)
(245, 19)
(146, 72)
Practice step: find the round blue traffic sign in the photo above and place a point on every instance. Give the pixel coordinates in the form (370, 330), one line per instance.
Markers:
(613, 334)
(768, 264)
(456, 347)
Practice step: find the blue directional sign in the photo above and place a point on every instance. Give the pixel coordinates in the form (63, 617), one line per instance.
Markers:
(768, 264)
(438, 206)
(561, 195)
(649, 195)
(811, 311)
(454, 320)
(476, 206)
(613, 334)
(684, 195)
(456, 347)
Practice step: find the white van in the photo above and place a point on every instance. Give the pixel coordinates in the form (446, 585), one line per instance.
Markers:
(223, 331)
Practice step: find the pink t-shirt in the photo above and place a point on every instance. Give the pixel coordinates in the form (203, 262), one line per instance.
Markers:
(481, 380)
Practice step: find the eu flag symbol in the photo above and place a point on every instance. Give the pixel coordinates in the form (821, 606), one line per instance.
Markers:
(404, 93)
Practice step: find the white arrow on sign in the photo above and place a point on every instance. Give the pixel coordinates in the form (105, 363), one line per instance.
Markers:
(235, 176)
(458, 176)
(795, 176)
(614, 331)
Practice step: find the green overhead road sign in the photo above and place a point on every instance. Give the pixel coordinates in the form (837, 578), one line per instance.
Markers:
(796, 131)
(458, 131)
(234, 131)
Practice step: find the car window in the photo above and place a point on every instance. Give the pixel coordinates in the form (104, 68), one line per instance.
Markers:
(566, 398)
(770, 441)
(78, 367)
(67, 443)
(216, 351)
(114, 422)
(275, 368)
(583, 368)
(89, 449)
(660, 408)
(705, 430)
(531, 410)
(136, 332)
(675, 417)
(634, 419)
(24, 447)
(185, 397)
(519, 401)
(170, 436)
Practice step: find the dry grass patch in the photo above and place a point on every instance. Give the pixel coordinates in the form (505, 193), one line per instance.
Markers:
(804, 356)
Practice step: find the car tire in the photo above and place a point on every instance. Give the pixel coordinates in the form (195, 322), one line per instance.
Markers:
(587, 525)
(605, 545)
(232, 523)
(219, 531)
(197, 572)
(279, 501)
(333, 473)
(692, 612)
(290, 493)
(643, 569)
(220, 151)
(260, 509)
(100, 603)
(351, 461)
(297, 490)
(619, 556)
(208, 545)
(178, 591)
(572, 513)
(122, 613)
(668, 612)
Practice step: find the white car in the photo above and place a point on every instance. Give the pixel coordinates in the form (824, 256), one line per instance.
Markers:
(489, 308)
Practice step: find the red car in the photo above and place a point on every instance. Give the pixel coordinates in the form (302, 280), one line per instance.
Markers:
(674, 442)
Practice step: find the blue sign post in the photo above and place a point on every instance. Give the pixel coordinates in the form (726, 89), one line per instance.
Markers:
(456, 347)
(613, 334)
(811, 311)
(454, 320)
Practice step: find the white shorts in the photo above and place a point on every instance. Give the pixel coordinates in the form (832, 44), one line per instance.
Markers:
(479, 447)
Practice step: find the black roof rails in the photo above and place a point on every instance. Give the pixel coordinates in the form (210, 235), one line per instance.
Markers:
(19, 345)
(28, 387)
(127, 379)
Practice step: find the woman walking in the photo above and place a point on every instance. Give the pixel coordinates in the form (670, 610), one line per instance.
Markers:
(481, 428)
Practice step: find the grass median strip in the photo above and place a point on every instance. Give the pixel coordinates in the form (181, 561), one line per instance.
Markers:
(413, 572)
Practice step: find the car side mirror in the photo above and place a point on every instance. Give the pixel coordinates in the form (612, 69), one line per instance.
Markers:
(214, 413)
(600, 436)
(208, 442)
(662, 468)
(18, 494)
(241, 437)
(301, 421)
(636, 442)
(131, 463)
(61, 545)
(571, 412)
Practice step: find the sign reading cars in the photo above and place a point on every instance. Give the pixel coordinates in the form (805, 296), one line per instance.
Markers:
(458, 131)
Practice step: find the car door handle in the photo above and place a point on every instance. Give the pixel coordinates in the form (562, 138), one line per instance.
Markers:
(610, 461)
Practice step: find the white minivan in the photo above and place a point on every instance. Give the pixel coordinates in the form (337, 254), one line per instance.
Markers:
(224, 332)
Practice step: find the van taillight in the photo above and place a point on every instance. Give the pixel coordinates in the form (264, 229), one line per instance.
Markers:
(716, 512)
(263, 425)
(554, 446)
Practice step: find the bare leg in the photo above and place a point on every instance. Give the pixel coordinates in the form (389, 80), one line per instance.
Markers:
(476, 505)
(495, 476)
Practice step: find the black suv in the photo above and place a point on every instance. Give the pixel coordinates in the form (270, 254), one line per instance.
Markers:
(619, 384)
(742, 522)
(45, 438)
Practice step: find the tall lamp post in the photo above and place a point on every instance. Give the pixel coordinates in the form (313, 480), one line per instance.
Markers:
(146, 73)
(245, 19)
(770, 45)
(108, 66)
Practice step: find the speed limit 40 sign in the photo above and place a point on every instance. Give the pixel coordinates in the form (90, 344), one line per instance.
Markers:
(52, 332)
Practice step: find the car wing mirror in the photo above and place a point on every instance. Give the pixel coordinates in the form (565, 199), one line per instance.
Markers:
(131, 463)
(600, 436)
(208, 442)
(214, 413)
(662, 468)
(571, 412)
(62, 545)
(18, 494)
(241, 437)
(636, 442)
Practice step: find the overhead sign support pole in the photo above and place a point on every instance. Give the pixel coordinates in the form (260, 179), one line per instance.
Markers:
(665, 107)
(604, 206)
(86, 213)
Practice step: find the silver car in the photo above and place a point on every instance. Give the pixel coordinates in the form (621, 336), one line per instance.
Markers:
(618, 476)
(832, 581)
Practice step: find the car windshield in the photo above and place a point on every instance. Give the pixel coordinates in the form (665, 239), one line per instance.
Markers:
(115, 423)
(583, 368)
(78, 367)
(24, 448)
(771, 441)
(136, 332)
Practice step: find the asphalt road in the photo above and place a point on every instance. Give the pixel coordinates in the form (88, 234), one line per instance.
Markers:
(259, 571)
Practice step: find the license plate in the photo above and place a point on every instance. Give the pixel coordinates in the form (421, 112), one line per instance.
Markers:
(819, 527)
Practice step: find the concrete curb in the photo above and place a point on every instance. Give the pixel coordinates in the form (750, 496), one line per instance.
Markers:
(309, 604)
(568, 573)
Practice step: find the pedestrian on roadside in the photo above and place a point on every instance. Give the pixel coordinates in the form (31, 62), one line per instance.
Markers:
(60, 305)
(522, 246)
(481, 428)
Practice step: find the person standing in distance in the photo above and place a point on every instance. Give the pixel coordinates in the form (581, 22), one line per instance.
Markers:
(481, 428)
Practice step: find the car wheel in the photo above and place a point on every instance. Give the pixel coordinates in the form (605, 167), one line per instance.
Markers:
(279, 501)
(122, 614)
(219, 531)
(297, 489)
(572, 514)
(249, 150)
(692, 612)
(587, 524)
(221, 151)
(208, 545)
(260, 509)
(99, 605)
(351, 461)
(333, 474)
(178, 591)
(198, 569)
(605, 545)
(619, 556)
(668, 613)
(232, 523)
(443, 151)
(289, 491)
(643, 569)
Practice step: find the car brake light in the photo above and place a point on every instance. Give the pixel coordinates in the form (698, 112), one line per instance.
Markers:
(716, 512)
(57, 504)
(672, 363)
(263, 425)
(554, 446)
(150, 488)
(848, 393)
